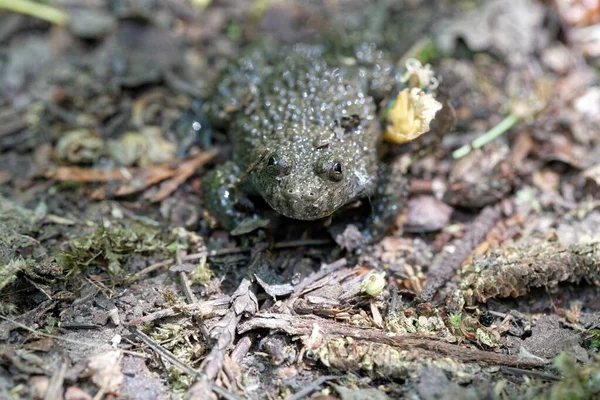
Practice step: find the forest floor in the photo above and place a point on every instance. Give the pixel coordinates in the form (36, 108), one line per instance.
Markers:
(116, 283)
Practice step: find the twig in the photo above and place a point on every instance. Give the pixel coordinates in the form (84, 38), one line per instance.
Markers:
(184, 171)
(226, 394)
(148, 175)
(185, 282)
(445, 264)
(22, 319)
(223, 252)
(252, 166)
(323, 272)
(301, 243)
(203, 309)
(39, 288)
(487, 137)
(74, 326)
(161, 351)
(243, 302)
(303, 393)
(37, 10)
(149, 269)
(187, 288)
(305, 325)
(535, 374)
(54, 390)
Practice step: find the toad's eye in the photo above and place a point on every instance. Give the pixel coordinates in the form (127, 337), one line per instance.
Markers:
(277, 166)
(335, 173)
(330, 169)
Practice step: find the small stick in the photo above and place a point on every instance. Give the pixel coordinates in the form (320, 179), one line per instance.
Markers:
(305, 325)
(161, 351)
(445, 264)
(222, 252)
(311, 387)
(253, 166)
(37, 10)
(218, 306)
(243, 303)
(55, 387)
(185, 281)
(487, 137)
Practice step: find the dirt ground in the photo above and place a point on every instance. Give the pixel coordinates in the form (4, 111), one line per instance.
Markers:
(116, 283)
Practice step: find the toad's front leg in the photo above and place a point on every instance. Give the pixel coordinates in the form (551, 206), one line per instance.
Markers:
(223, 197)
(387, 202)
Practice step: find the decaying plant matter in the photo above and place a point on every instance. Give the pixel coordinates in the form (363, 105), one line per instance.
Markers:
(117, 282)
(513, 271)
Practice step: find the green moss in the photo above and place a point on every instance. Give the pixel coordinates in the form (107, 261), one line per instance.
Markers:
(178, 381)
(16, 224)
(111, 247)
(201, 274)
(7, 308)
(234, 31)
(8, 272)
(578, 383)
(455, 320)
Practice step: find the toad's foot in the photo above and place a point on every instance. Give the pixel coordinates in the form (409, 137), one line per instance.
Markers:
(223, 198)
(386, 203)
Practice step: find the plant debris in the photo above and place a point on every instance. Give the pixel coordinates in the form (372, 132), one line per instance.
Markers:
(515, 270)
(115, 282)
(111, 247)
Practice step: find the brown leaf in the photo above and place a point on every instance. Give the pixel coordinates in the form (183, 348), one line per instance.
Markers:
(143, 178)
(136, 179)
(275, 290)
(427, 214)
(106, 370)
(244, 300)
(505, 27)
(185, 170)
(85, 175)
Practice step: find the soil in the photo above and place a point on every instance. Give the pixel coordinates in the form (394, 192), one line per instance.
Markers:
(116, 283)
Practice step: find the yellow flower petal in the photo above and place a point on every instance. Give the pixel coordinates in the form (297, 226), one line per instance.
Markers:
(411, 115)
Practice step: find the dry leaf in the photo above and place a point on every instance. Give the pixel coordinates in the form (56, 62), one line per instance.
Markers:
(106, 370)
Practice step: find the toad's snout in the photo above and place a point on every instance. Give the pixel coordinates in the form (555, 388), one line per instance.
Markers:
(303, 204)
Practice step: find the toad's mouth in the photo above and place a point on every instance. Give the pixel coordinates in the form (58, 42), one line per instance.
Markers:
(304, 209)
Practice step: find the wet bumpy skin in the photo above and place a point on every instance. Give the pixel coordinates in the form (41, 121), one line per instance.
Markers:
(306, 130)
